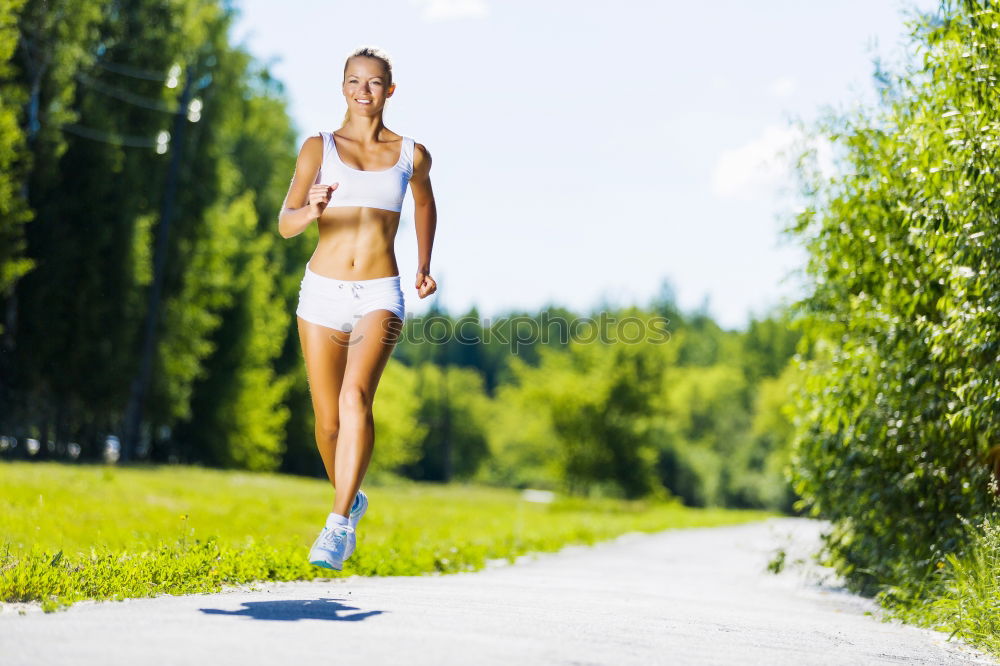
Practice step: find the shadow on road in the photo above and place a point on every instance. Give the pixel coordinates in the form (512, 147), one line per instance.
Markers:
(291, 610)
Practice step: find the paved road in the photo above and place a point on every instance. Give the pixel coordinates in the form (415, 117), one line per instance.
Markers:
(697, 596)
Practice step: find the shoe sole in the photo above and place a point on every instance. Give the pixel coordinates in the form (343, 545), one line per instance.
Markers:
(325, 565)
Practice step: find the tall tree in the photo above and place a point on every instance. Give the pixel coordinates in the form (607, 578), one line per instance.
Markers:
(14, 211)
(98, 184)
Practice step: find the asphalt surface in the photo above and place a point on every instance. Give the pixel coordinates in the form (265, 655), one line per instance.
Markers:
(694, 596)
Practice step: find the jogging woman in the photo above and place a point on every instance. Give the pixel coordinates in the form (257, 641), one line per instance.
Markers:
(350, 310)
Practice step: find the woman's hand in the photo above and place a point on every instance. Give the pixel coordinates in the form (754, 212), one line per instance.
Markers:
(319, 197)
(425, 284)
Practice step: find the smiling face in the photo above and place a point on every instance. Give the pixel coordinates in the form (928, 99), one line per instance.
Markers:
(366, 85)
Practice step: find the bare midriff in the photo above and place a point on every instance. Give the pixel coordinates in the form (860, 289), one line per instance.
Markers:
(356, 243)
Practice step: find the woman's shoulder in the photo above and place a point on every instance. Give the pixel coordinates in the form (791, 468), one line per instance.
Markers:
(421, 155)
(315, 140)
(312, 147)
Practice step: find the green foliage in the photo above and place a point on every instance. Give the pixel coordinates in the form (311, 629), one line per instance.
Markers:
(14, 211)
(523, 448)
(777, 562)
(708, 426)
(105, 79)
(399, 431)
(181, 530)
(195, 312)
(901, 399)
(767, 346)
(692, 472)
(453, 408)
(231, 317)
(766, 463)
(960, 597)
(600, 400)
(54, 40)
(239, 416)
(601, 416)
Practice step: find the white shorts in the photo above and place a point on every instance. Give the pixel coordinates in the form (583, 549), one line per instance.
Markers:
(340, 304)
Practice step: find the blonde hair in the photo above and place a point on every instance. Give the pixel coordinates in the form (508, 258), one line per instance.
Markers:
(369, 52)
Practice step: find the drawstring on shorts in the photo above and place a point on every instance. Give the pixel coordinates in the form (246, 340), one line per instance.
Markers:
(354, 287)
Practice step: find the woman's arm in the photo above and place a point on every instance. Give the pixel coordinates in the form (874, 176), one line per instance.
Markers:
(425, 218)
(305, 200)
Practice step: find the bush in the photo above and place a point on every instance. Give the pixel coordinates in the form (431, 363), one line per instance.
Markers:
(902, 398)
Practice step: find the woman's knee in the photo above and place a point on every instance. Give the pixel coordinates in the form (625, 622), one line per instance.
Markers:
(354, 399)
(327, 427)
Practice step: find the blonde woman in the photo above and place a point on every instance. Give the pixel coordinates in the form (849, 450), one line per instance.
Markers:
(350, 310)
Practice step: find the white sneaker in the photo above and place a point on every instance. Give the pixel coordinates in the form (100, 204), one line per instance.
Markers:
(358, 508)
(332, 547)
(352, 539)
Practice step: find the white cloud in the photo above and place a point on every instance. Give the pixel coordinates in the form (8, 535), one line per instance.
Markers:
(447, 10)
(759, 166)
(781, 86)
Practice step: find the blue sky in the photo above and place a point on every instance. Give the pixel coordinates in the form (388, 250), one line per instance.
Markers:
(590, 152)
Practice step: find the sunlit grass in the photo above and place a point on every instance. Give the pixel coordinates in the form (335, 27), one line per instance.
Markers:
(71, 532)
(963, 599)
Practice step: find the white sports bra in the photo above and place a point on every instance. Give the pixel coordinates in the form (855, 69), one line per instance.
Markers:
(373, 189)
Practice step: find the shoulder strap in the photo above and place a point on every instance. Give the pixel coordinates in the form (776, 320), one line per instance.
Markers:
(408, 147)
(325, 137)
(327, 140)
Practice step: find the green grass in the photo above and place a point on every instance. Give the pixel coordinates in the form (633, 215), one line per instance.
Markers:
(72, 532)
(963, 598)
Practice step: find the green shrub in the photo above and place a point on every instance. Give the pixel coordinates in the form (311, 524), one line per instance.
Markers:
(902, 396)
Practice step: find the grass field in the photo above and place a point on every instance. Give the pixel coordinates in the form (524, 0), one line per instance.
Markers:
(72, 532)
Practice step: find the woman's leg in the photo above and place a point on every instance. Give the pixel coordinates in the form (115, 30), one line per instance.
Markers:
(325, 352)
(372, 341)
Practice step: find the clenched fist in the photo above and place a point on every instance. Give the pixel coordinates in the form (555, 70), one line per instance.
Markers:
(425, 284)
(319, 197)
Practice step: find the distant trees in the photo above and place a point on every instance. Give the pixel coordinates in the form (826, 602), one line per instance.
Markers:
(606, 416)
